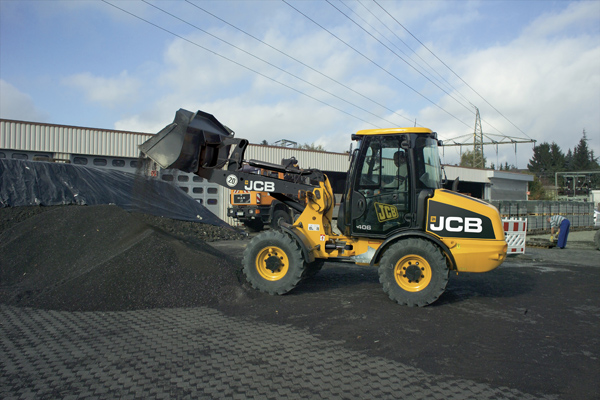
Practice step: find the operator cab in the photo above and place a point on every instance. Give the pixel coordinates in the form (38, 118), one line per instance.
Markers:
(389, 171)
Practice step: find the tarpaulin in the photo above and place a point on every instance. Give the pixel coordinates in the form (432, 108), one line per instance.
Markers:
(36, 183)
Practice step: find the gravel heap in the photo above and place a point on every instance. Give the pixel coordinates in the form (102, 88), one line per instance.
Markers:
(102, 258)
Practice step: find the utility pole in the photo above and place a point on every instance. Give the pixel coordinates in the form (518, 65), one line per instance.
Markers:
(478, 160)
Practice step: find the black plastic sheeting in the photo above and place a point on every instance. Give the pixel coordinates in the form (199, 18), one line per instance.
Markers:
(35, 183)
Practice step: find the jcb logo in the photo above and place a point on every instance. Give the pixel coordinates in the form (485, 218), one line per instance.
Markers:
(456, 224)
(386, 212)
(259, 186)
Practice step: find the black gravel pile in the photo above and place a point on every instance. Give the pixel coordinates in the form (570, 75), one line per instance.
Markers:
(102, 258)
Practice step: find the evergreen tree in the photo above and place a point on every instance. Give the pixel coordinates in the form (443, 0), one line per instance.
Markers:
(541, 161)
(583, 157)
(569, 161)
(558, 158)
(547, 159)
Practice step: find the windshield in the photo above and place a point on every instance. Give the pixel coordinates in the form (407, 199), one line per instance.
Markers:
(429, 169)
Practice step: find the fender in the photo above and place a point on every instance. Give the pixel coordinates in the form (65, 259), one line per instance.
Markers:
(301, 240)
(413, 233)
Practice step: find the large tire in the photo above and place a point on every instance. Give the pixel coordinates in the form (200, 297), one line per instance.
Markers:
(279, 216)
(413, 272)
(273, 262)
(313, 268)
(597, 239)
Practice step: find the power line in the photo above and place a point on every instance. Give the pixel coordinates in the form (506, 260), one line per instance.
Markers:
(266, 62)
(396, 54)
(237, 63)
(300, 62)
(374, 63)
(450, 69)
(422, 60)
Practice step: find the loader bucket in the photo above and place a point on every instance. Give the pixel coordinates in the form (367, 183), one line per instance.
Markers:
(192, 141)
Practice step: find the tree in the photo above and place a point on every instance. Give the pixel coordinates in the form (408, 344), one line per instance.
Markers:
(469, 159)
(547, 159)
(583, 159)
(537, 191)
(312, 146)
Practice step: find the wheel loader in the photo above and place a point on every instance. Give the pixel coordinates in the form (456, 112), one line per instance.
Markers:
(394, 215)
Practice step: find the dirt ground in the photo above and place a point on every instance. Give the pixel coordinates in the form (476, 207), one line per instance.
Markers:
(531, 324)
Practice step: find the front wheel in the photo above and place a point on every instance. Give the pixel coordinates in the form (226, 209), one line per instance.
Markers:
(273, 262)
(413, 272)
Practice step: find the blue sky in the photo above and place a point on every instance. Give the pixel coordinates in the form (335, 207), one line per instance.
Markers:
(532, 67)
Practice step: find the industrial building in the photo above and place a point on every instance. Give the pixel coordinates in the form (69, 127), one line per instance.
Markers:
(102, 148)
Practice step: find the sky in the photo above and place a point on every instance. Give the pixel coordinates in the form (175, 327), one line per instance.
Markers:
(313, 72)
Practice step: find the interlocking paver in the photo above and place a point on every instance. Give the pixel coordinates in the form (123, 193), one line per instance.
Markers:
(198, 352)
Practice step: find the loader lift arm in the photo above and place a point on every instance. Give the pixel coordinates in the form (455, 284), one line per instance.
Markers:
(200, 144)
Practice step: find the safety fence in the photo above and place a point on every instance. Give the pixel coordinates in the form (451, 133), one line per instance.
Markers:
(536, 212)
(515, 232)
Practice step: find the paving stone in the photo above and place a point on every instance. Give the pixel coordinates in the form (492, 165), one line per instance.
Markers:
(198, 352)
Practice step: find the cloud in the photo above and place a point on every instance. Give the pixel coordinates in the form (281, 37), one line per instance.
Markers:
(15, 104)
(256, 107)
(546, 82)
(109, 92)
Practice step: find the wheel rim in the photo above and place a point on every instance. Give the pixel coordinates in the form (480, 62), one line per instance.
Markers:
(412, 273)
(272, 263)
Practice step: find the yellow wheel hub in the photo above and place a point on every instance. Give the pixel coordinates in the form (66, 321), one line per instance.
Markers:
(412, 273)
(272, 263)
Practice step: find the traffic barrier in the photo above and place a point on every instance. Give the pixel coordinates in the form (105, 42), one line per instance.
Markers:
(515, 231)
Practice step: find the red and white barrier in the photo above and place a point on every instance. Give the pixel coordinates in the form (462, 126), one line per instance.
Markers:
(515, 232)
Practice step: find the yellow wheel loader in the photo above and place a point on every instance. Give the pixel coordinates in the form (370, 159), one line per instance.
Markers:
(394, 214)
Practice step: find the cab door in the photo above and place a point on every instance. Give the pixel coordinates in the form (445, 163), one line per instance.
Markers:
(381, 185)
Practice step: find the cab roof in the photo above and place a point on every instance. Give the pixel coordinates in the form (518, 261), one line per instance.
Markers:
(392, 131)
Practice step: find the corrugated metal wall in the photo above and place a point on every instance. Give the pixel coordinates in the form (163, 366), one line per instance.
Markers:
(29, 136)
(324, 161)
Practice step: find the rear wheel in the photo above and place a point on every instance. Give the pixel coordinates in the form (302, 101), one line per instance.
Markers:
(273, 263)
(280, 216)
(413, 272)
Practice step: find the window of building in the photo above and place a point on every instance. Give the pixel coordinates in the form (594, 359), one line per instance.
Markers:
(212, 202)
(19, 156)
(134, 163)
(212, 190)
(184, 188)
(2, 155)
(168, 178)
(118, 163)
(197, 178)
(183, 178)
(80, 160)
(198, 190)
(42, 157)
(100, 162)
